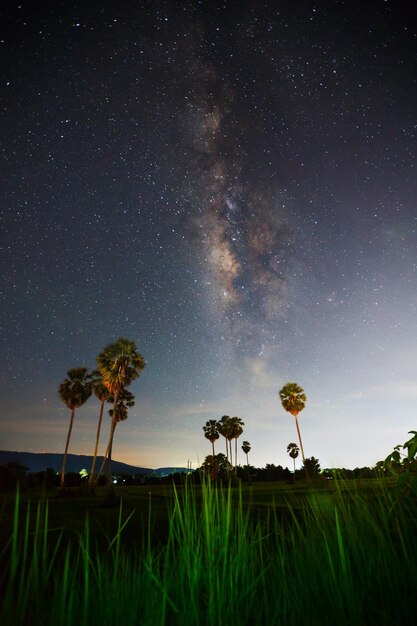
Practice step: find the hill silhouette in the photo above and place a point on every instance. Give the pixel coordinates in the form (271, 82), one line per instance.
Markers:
(39, 461)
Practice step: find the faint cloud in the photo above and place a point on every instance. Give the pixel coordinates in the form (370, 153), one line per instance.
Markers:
(405, 389)
(260, 374)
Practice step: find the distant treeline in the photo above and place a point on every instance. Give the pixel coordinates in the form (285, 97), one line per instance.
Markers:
(15, 473)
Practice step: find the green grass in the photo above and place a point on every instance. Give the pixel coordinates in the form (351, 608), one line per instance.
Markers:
(201, 556)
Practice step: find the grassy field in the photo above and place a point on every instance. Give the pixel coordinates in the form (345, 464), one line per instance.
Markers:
(262, 554)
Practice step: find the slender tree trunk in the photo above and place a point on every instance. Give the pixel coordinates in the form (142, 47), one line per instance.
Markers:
(64, 460)
(235, 455)
(299, 438)
(100, 471)
(110, 488)
(247, 466)
(91, 477)
(212, 445)
(294, 466)
(227, 449)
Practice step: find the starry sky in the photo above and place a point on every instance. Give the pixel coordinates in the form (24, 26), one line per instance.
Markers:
(231, 185)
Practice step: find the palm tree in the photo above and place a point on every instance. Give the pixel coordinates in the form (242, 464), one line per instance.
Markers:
(211, 432)
(236, 430)
(102, 393)
(119, 363)
(293, 451)
(293, 400)
(246, 449)
(125, 401)
(224, 427)
(74, 391)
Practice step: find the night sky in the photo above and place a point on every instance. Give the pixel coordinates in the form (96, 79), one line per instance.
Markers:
(232, 186)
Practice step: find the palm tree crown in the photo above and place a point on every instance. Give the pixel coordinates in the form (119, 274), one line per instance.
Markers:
(246, 447)
(75, 390)
(125, 401)
(293, 450)
(211, 432)
(293, 398)
(119, 363)
(99, 388)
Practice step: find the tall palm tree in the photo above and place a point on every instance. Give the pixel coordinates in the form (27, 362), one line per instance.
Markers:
(293, 451)
(246, 449)
(224, 426)
(102, 393)
(236, 430)
(74, 391)
(293, 399)
(211, 432)
(125, 401)
(119, 364)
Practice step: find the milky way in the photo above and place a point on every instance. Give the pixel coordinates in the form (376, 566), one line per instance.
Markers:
(242, 228)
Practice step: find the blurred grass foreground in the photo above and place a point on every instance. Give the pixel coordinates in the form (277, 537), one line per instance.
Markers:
(213, 555)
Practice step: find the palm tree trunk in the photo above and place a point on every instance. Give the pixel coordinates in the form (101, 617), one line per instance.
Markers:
(110, 488)
(299, 438)
(64, 460)
(235, 455)
(91, 477)
(100, 471)
(247, 459)
(212, 445)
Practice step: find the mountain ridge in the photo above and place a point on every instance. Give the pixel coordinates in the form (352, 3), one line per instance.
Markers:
(40, 461)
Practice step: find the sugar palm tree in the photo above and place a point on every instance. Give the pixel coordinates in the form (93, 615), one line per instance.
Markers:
(224, 428)
(293, 399)
(74, 391)
(125, 401)
(246, 449)
(102, 393)
(293, 451)
(211, 432)
(236, 430)
(119, 364)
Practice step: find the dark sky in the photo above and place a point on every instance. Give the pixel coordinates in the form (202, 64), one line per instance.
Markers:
(232, 186)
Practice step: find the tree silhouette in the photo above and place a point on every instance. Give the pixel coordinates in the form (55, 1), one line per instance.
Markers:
(236, 428)
(246, 449)
(293, 400)
(211, 432)
(293, 451)
(119, 364)
(312, 467)
(74, 391)
(102, 393)
(216, 466)
(224, 426)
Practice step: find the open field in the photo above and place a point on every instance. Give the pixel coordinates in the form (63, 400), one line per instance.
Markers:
(263, 554)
